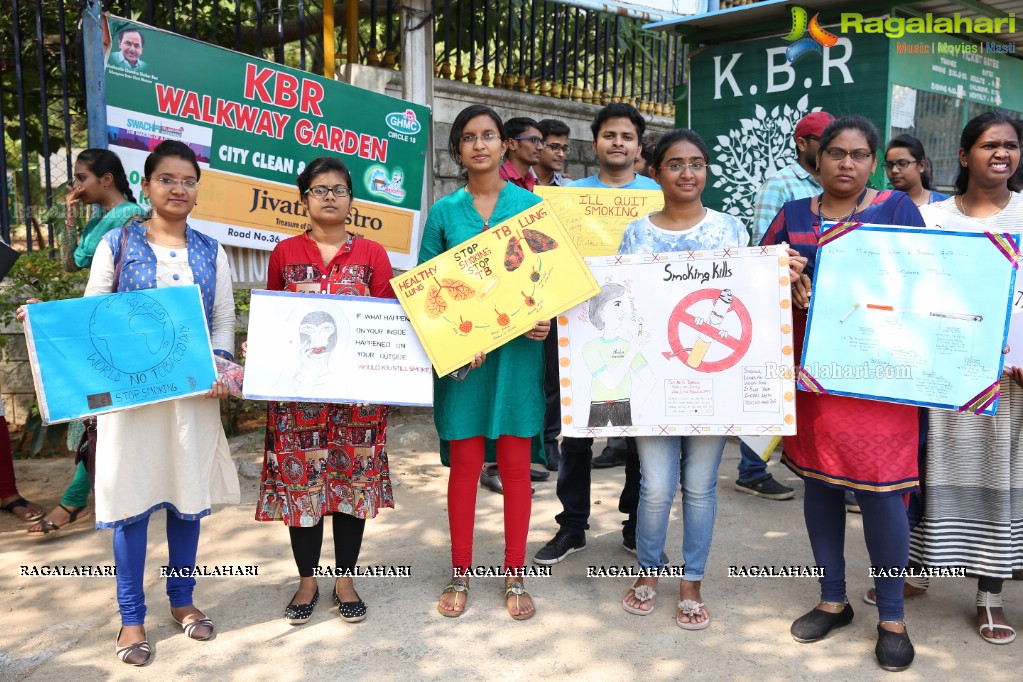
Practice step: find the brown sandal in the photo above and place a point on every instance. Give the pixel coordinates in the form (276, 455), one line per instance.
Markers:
(457, 585)
(517, 590)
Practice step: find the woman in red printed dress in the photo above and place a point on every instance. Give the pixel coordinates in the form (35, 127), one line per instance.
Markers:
(326, 459)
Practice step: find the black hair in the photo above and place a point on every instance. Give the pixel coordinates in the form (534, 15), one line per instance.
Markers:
(619, 110)
(972, 132)
(916, 149)
(552, 126)
(319, 166)
(647, 153)
(840, 125)
(674, 137)
(514, 127)
(464, 116)
(170, 149)
(608, 292)
(142, 38)
(1016, 181)
(103, 161)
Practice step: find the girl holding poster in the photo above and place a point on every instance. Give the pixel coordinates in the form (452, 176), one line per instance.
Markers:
(501, 398)
(973, 506)
(864, 446)
(680, 162)
(325, 459)
(171, 455)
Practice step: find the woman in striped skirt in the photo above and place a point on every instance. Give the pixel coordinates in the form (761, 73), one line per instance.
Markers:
(973, 473)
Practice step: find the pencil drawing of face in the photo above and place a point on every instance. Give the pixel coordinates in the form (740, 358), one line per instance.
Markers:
(317, 334)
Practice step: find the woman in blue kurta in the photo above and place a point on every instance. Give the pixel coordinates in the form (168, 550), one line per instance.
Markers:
(501, 398)
(864, 446)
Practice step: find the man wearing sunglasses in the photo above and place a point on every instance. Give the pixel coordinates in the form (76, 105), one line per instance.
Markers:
(524, 144)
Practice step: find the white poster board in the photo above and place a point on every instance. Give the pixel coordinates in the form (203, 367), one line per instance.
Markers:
(334, 349)
(691, 343)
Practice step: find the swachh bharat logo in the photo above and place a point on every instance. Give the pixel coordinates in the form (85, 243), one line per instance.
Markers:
(803, 44)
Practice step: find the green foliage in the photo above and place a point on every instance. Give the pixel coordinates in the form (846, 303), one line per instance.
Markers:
(35, 436)
(37, 275)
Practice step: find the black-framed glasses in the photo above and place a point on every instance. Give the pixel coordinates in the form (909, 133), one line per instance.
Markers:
(557, 147)
(901, 163)
(486, 137)
(321, 191)
(858, 155)
(538, 141)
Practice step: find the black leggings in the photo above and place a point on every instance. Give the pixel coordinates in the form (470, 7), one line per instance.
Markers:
(306, 543)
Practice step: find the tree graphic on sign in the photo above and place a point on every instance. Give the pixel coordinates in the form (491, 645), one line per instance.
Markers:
(752, 153)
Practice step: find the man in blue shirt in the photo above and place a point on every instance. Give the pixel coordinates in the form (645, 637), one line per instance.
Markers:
(617, 140)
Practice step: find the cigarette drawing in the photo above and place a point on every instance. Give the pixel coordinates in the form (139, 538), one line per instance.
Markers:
(851, 311)
(968, 317)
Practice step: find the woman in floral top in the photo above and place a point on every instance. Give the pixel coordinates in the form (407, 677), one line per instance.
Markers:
(326, 458)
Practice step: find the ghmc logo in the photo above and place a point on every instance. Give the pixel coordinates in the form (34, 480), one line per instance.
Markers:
(818, 38)
(404, 122)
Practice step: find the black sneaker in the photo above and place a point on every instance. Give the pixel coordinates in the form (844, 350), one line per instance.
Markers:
(629, 543)
(609, 457)
(563, 544)
(768, 488)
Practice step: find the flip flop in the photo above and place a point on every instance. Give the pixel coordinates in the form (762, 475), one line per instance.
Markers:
(46, 526)
(691, 608)
(644, 593)
(457, 585)
(21, 502)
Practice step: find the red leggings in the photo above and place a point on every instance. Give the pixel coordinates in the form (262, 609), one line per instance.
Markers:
(513, 455)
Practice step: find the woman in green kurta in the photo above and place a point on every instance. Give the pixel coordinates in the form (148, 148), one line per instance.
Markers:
(501, 399)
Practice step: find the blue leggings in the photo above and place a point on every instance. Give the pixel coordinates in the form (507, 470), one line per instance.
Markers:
(885, 528)
(130, 558)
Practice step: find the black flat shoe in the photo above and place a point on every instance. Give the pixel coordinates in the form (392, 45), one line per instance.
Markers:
(894, 651)
(491, 479)
(815, 625)
(537, 475)
(350, 611)
(297, 614)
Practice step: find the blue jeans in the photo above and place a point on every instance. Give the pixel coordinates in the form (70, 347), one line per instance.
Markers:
(751, 468)
(661, 459)
(130, 559)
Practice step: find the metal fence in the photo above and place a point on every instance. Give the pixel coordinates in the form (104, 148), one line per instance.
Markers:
(533, 46)
(561, 51)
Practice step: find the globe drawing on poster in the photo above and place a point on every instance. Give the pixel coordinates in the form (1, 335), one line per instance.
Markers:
(117, 351)
(132, 332)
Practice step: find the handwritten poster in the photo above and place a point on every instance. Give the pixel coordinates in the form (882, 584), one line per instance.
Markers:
(910, 316)
(107, 353)
(493, 287)
(334, 349)
(595, 219)
(691, 343)
(939, 219)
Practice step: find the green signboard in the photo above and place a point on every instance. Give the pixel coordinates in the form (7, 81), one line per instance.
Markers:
(254, 126)
(957, 68)
(745, 99)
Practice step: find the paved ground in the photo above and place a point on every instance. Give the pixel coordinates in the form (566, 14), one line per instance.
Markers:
(64, 628)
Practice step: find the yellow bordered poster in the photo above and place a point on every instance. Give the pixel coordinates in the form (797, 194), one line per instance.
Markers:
(491, 288)
(595, 218)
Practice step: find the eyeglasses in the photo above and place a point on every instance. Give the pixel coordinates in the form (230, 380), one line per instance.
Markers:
(901, 163)
(538, 141)
(679, 167)
(555, 147)
(858, 155)
(321, 191)
(170, 183)
(486, 137)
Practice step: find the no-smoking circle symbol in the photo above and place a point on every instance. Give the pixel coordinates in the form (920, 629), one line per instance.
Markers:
(681, 316)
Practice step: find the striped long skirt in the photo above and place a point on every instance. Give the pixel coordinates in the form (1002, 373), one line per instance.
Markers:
(973, 490)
